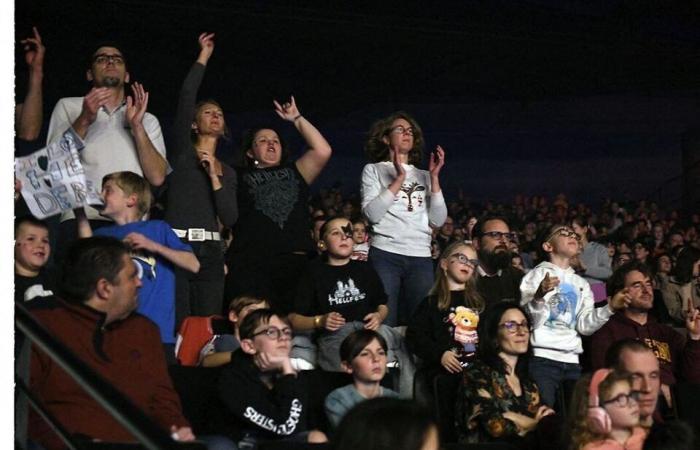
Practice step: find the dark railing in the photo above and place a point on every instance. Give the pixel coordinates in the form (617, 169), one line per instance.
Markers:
(142, 427)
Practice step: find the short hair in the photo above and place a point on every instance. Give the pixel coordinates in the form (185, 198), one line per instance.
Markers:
(209, 101)
(326, 224)
(88, 261)
(683, 270)
(647, 244)
(616, 282)
(613, 356)
(377, 150)
(30, 220)
(353, 344)
(99, 45)
(132, 183)
(384, 423)
(242, 301)
(487, 329)
(478, 230)
(253, 320)
(241, 159)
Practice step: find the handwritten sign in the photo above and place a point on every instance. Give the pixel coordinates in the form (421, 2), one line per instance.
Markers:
(53, 179)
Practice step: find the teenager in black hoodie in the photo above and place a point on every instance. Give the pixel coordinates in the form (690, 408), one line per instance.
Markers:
(261, 388)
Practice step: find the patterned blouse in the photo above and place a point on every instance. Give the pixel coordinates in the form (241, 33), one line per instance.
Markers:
(484, 397)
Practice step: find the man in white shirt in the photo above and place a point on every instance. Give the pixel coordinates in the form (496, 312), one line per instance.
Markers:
(118, 133)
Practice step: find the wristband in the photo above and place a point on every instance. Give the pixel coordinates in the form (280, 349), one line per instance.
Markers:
(296, 118)
(317, 321)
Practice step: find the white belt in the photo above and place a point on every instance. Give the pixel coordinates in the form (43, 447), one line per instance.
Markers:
(198, 234)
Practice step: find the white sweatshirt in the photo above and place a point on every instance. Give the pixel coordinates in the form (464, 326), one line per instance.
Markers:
(563, 315)
(401, 223)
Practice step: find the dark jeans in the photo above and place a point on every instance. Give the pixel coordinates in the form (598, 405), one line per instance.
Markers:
(201, 293)
(407, 277)
(548, 374)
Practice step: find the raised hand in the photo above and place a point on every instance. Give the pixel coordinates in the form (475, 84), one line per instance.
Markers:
(437, 161)
(621, 300)
(206, 45)
(34, 50)
(548, 284)
(136, 106)
(287, 111)
(400, 172)
(92, 102)
(692, 320)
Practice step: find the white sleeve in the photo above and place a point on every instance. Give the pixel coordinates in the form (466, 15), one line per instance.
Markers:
(538, 309)
(376, 199)
(437, 211)
(589, 318)
(60, 122)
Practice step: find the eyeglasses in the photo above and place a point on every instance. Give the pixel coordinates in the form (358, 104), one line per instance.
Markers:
(564, 232)
(498, 235)
(462, 258)
(513, 327)
(400, 129)
(104, 58)
(623, 400)
(275, 333)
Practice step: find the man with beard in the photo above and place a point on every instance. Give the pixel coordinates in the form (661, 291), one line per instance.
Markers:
(678, 356)
(497, 280)
(118, 133)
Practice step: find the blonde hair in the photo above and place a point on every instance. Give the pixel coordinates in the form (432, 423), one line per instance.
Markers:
(441, 287)
(581, 433)
(135, 184)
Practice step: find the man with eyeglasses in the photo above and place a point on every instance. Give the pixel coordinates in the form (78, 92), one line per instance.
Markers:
(260, 387)
(118, 133)
(678, 356)
(497, 279)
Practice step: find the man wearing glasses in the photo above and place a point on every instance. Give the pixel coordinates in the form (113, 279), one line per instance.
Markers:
(497, 278)
(119, 134)
(678, 356)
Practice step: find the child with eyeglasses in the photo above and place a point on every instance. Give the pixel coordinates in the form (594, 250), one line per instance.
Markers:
(562, 308)
(442, 331)
(260, 387)
(605, 414)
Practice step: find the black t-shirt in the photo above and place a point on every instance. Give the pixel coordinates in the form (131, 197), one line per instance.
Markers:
(30, 288)
(353, 290)
(273, 214)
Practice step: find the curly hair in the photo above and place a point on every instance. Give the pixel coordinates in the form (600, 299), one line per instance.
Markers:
(377, 150)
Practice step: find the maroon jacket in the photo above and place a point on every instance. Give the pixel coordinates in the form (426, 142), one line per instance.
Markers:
(127, 353)
(678, 357)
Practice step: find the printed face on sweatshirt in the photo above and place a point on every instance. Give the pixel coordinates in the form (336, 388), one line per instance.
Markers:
(640, 290)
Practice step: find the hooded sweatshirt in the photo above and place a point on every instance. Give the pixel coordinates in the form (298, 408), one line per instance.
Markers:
(565, 313)
(676, 355)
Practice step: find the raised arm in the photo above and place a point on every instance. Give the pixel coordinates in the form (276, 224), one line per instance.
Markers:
(437, 211)
(312, 162)
(29, 113)
(153, 164)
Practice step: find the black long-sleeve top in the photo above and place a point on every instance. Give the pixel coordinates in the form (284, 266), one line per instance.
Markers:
(275, 413)
(191, 201)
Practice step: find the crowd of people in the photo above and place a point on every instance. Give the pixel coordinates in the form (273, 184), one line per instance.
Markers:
(239, 266)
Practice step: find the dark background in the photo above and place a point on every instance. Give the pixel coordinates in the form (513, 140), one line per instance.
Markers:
(591, 98)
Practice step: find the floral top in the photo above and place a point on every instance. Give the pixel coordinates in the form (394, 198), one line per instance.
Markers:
(484, 397)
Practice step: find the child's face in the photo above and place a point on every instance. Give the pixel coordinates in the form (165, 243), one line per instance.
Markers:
(359, 233)
(273, 347)
(115, 199)
(622, 406)
(564, 242)
(338, 239)
(370, 365)
(32, 248)
(459, 266)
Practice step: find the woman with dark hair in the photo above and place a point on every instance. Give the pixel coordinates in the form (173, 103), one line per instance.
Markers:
(387, 423)
(201, 192)
(683, 284)
(498, 400)
(272, 239)
(402, 203)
